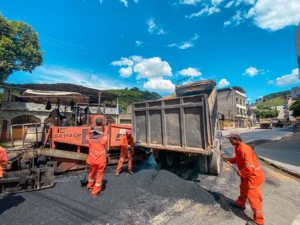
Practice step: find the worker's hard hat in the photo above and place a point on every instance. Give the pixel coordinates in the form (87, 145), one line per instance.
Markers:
(233, 135)
(128, 132)
(99, 121)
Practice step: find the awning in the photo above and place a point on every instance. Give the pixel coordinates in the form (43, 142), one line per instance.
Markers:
(43, 97)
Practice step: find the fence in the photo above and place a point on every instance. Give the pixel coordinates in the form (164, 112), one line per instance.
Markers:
(32, 132)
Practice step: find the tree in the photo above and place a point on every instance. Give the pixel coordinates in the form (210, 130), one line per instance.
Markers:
(264, 114)
(296, 108)
(19, 48)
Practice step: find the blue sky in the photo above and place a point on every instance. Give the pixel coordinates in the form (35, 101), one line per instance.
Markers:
(151, 44)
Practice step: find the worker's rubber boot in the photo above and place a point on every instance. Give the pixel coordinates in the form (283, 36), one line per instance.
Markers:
(96, 191)
(251, 222)
(90, 185)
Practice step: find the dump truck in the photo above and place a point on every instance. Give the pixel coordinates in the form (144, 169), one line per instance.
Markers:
(277, 123)
(265, 123)
(182, 128)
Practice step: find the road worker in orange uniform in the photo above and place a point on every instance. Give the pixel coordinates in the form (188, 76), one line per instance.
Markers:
(252, 178)
(3, 161)
(96, 159)
(127, 150)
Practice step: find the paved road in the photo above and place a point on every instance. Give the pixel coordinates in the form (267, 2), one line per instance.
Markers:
(284, 153)
(153, 196)
(264, 134)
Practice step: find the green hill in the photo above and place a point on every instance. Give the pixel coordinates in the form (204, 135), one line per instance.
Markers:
(269, 103)
(273, 99)
(128, 96)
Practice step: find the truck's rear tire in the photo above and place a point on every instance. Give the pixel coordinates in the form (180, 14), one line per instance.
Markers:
(201, 164)
(214, 163)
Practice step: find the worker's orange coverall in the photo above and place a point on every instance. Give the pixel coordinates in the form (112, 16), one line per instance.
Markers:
(252, 178)
(3, 160)
(97, 161)
(124, 153)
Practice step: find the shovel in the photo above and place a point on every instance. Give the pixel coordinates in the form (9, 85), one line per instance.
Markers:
(84, 181)
(235, 169)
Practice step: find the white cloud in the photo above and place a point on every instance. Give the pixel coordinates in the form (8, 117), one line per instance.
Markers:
(154, 28)
(145, 68)
(125, 72)
(275, 14)
(251, 71)
(223, 83)
(205, 12)
(271, 82)
(194, 72)
(227, 23)
(125, 2)
(136, 58)
(236, 20)
(123, 62)
(247, 2)
(159, 84)
(186, 44)
(288, 79)
(189, 2)
(269, 14)
(136, 1)
(229, 4)
(216, 2)
(138, 43)
(59, 74)
(152, 67)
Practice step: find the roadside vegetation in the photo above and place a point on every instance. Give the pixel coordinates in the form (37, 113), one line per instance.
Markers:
(128, 96)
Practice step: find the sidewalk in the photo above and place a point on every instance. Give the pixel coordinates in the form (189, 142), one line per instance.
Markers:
(239, 130)
(284, 154)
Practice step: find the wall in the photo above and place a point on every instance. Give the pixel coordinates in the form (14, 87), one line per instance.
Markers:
(225, 99)
(125, 118)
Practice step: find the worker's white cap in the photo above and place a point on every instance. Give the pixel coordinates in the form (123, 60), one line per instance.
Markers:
(233, 135)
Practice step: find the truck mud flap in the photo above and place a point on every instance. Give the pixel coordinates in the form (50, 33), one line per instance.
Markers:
(26, 180)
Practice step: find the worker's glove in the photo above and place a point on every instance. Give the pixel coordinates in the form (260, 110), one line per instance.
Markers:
(226, 159)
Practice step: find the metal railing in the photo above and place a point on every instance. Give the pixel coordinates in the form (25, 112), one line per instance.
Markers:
(36, 125)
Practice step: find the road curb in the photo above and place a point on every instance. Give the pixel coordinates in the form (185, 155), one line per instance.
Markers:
(280, 167)
(277, 166)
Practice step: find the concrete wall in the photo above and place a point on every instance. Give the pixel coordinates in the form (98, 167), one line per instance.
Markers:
(225, 104)
(125, 118)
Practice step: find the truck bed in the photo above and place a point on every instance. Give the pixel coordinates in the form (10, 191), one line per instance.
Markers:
(180, 124)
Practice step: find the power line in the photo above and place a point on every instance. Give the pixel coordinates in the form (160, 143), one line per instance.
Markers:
(68, 43)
